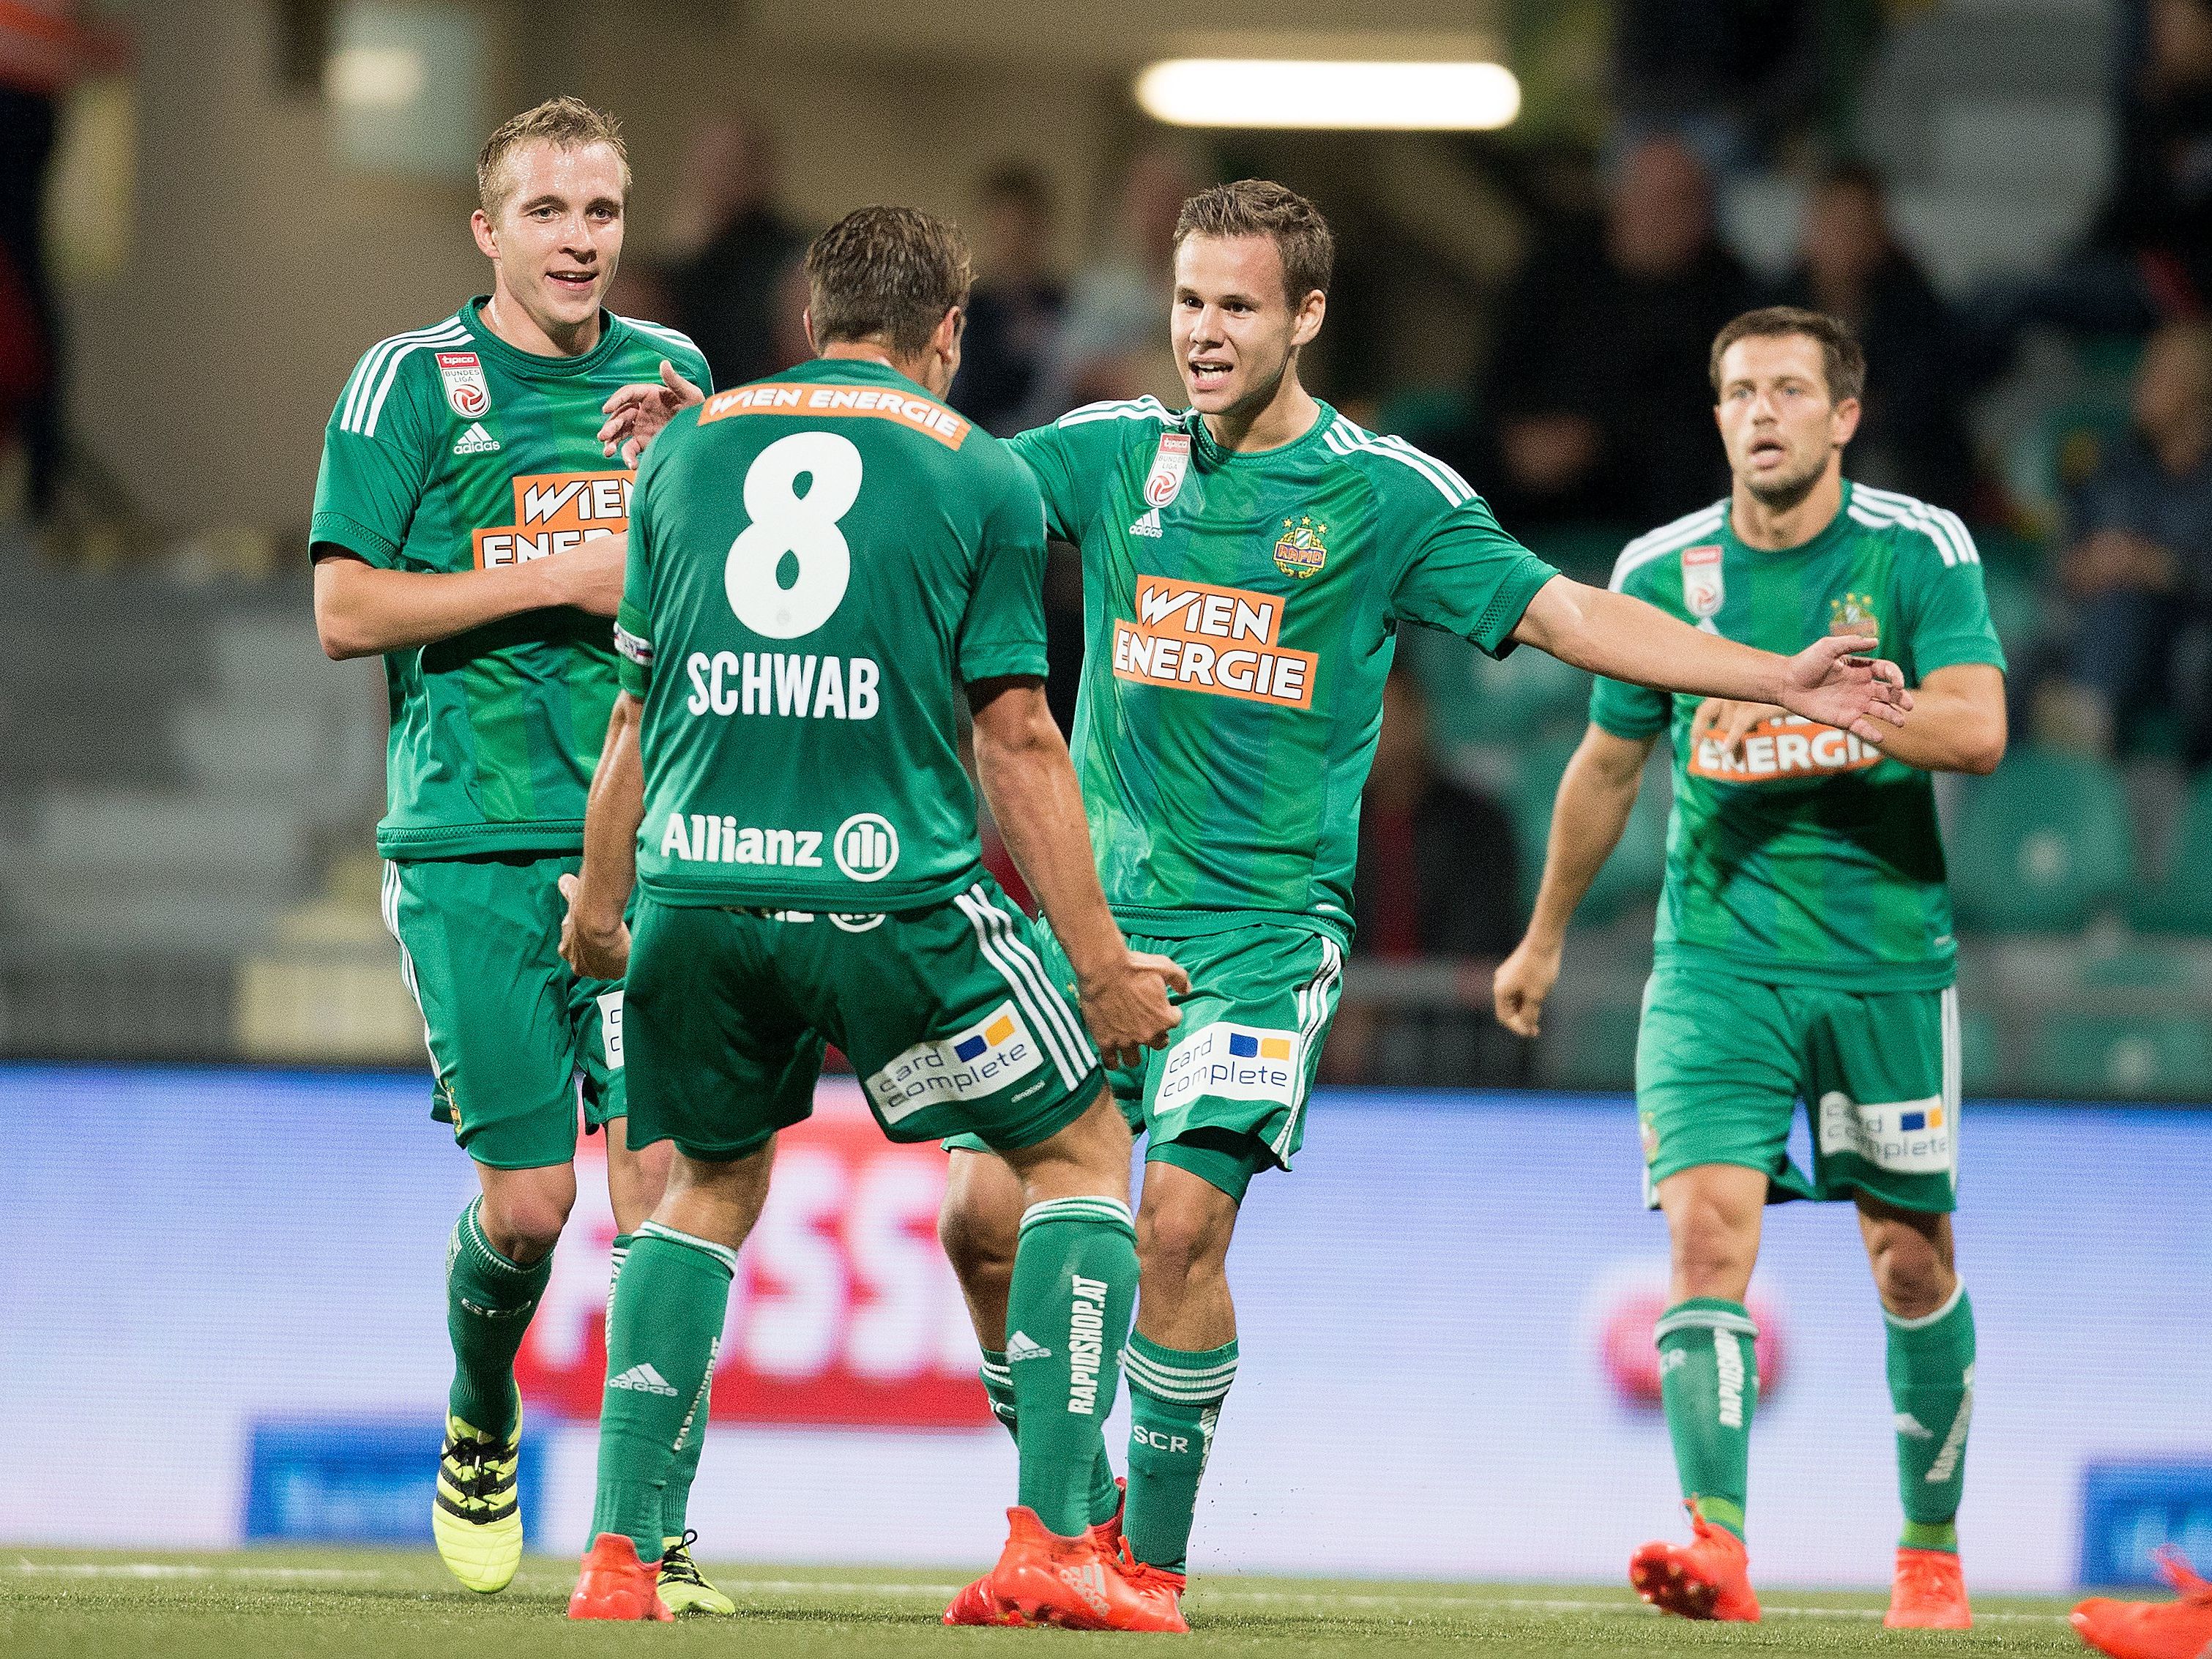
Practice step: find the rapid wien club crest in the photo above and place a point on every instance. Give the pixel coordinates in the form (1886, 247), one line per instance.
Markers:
(1853, 614)
(1300, 550)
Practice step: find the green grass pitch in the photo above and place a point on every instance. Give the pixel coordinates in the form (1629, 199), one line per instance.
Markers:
(339, 1604)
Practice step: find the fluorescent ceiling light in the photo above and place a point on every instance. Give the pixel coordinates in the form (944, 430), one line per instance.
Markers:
(376, 77)
(1261, 92)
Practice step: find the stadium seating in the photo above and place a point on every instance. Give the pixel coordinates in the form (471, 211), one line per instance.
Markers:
(2182, 901)
(1631, 875)
(2042, 846)
(2160, 1055)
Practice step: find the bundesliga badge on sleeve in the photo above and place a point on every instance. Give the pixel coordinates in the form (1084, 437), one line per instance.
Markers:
(465, 388)
(1701, 579)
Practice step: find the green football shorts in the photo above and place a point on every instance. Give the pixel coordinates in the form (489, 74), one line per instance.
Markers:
(1722, 1062)
(517, 1042)
(1227, 1098)
(946, 1013)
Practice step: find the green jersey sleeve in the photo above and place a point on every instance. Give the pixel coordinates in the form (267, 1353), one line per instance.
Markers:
(1624, 709)
(634, 616)
(1948, 609)
(1072, 458)
(1002, 631)
(377, 453)
(1466, 575)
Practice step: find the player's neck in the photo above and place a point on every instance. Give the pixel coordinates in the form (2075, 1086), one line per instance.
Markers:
(868, 351)
(1283, 419)
(1775, 529)
(503, 315)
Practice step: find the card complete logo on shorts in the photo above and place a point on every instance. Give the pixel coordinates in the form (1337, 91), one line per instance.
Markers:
(555, 511)
(1784, 748)
(1233, 1062)
(994, 1054)
(1906, 1137)
(1196, 637)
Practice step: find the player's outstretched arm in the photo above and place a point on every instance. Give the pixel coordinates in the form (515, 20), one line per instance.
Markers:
(1022, 762)
(594, 936)
(1957, 723)
(1625, 638)
(635, 414)
(1595, 795)
(362, 611)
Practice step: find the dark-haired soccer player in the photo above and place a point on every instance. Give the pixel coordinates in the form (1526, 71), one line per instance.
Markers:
(1248, 563)
(1804, 946)
(467, 528)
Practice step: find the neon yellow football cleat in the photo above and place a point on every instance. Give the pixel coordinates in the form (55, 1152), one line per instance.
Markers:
(682, 1587)
(477, 1518)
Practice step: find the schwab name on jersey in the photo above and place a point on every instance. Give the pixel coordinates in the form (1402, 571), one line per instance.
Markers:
(1784, 747)
(992, 1054)
(553, 512)
(783, 683)
(1234, 1062)
(1219, 640)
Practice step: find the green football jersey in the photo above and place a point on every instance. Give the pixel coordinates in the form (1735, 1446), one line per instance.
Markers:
(452, 450)
(1812, 858)
(801, 649)
(1241, 612)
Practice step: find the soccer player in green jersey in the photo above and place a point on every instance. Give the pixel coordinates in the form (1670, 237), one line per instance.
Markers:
(1804, 947)
(820, 566)
(468, 528)
(1247, 564)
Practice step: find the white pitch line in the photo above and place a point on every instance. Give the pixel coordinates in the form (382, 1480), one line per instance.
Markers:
(173, 1570)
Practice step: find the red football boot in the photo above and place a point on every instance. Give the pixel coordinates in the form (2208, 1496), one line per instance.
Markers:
(1042, 1579)
(1709, 1579)
(1929, 1592)
(975, 1604)
(2153, 1630)
(616, 1584)
(1159, 1590)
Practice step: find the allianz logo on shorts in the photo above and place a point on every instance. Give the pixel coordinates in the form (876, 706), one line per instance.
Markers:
(1907, 1137)
(865, 845)
(992, 1054)
(1234, 1062)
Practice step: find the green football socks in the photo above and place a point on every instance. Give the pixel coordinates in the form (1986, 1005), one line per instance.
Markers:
(1931, 1387)
(999, 1385)
(1174, 1399)
(663, 1334)
(489, 1301)
(1709, 1384)
(1075, 1285)
(676, 1499)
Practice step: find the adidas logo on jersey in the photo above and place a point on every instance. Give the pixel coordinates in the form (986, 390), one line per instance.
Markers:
(1022, 1345)
(643, 1379)
(475, 441)
(1148, 524)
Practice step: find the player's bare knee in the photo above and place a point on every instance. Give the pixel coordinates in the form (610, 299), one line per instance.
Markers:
(1711, 1257)
(1910, 1274)
(1180, 1242)
(524, 1220)
(976, 1247)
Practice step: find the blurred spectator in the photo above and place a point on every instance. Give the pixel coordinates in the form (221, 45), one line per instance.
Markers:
(1596, 405)
(1912, 435)
(2148, 252)
(1014, 312)
(733, 251)
(1730, 77)
(45, 47)
(1436, 880)
(2138, 569)
(1113, 336)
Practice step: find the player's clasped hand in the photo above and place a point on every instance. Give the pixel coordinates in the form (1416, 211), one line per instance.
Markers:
(595, 950)
(1834, 682)
(635, 414)
(1127, 1007)
(1728, 723)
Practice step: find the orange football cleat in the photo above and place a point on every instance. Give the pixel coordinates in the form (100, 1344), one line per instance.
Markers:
(616, 1584)
(1709, 1579)
(2153, 1630)
(1042, 1579)
(975, 1604)
(1160, 1590)
(1929, 1592)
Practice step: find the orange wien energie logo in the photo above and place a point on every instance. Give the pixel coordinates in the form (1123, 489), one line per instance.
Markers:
(882, 402)
(1785, 746)
(1197, 637)
(553, 512)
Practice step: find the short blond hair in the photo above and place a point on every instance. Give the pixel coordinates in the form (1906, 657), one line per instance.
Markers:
(566, 123)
